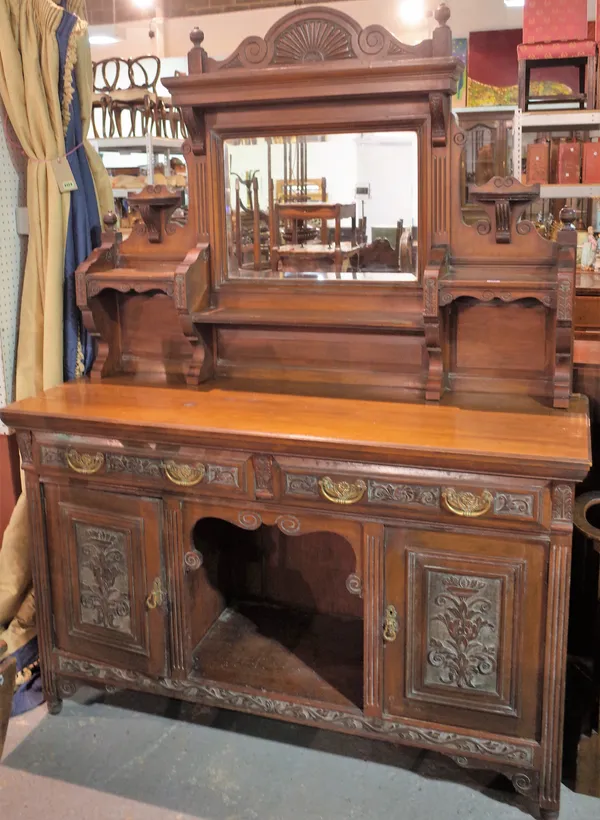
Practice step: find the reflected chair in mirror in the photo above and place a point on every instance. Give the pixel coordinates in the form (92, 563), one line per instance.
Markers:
(251, 228)
(557, 35)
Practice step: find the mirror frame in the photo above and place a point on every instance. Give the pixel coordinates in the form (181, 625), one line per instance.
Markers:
(353, 80)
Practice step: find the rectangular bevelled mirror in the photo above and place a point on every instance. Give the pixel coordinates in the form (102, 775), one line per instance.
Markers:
(334, 207)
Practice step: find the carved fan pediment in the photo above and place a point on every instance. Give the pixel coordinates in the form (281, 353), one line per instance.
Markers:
(320, 35)
(313, 41)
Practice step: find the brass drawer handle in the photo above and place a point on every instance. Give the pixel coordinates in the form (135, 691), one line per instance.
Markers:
(342, 492)
(390, 625)
(467, 504)
(85, 463)
(184, 475)
(157, 597)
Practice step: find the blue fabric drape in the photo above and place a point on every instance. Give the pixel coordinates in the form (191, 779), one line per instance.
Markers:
(84, 230)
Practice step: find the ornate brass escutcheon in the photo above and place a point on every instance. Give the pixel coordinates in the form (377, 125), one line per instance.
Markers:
(466, 504)
(342, 492)
(85, 463)
(184, 475)
(157, 597)
(390, 625)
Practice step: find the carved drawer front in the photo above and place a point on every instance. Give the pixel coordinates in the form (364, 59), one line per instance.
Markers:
(400, 492)
(468, 633)
(184, 469)
(108, 586)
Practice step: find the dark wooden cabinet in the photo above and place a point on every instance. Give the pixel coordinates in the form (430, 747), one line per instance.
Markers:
(107, 576)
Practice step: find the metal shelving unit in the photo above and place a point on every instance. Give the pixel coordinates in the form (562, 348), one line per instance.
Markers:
(554, 121)
(149, 145)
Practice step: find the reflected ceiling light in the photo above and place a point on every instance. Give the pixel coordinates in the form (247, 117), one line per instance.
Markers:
(103, 40)
(143, 4)
(514, 4)
(412, 12)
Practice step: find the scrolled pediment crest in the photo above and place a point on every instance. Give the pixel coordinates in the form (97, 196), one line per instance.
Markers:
(319, 35)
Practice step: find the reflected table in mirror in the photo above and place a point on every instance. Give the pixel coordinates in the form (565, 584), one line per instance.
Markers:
(337, 206)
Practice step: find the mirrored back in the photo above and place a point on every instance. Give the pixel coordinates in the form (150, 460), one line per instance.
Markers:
(339, 207)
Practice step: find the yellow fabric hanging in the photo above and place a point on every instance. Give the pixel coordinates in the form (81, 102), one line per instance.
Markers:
(29, 68)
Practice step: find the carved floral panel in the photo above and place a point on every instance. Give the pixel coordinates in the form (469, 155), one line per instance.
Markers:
(103, 578)
(463, 631)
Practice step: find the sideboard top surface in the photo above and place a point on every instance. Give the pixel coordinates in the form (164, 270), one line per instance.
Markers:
(518, 438)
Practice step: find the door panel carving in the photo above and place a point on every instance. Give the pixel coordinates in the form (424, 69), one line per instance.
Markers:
(463, 625)
(470, 610)
(103, 577)
(105, 558)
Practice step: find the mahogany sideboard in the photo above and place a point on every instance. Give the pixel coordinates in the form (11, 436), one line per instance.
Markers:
(340, 493)
(393, 570)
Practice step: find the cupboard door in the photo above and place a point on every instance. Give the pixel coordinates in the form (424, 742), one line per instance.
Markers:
(107, 578)
(463, 629)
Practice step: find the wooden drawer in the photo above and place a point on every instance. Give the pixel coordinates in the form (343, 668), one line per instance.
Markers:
(587, 312)
(184, 469)
(408, 493)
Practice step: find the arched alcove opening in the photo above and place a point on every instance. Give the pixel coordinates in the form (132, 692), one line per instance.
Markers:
(277, 612)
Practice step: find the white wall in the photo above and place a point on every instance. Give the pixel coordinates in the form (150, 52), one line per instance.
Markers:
(386, 162)
(223, 32)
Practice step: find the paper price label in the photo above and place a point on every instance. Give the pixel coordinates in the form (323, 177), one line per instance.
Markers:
(64, 175)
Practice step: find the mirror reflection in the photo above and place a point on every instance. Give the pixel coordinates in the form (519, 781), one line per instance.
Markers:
(333, 207)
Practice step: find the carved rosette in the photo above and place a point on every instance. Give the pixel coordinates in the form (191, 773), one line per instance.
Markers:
(249, 520)
(354, 585)
(289, 524)
(193, 561)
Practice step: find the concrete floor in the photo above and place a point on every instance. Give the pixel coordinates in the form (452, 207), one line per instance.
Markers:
(132, 757)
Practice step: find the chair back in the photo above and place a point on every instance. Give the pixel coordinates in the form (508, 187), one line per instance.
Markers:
(108, 73)
(555, 21)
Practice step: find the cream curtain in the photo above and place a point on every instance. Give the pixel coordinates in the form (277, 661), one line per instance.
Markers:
(29, 69)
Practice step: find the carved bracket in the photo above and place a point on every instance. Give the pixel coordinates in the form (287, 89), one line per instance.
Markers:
(157, 204)
(194, 122)
(505, 199)
(439, 107)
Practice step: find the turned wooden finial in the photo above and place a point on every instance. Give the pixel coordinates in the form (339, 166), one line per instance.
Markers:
(110, 220)
(197, 37)
(442, 35)
(197, 56)
(442, 14)
(567, 217)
